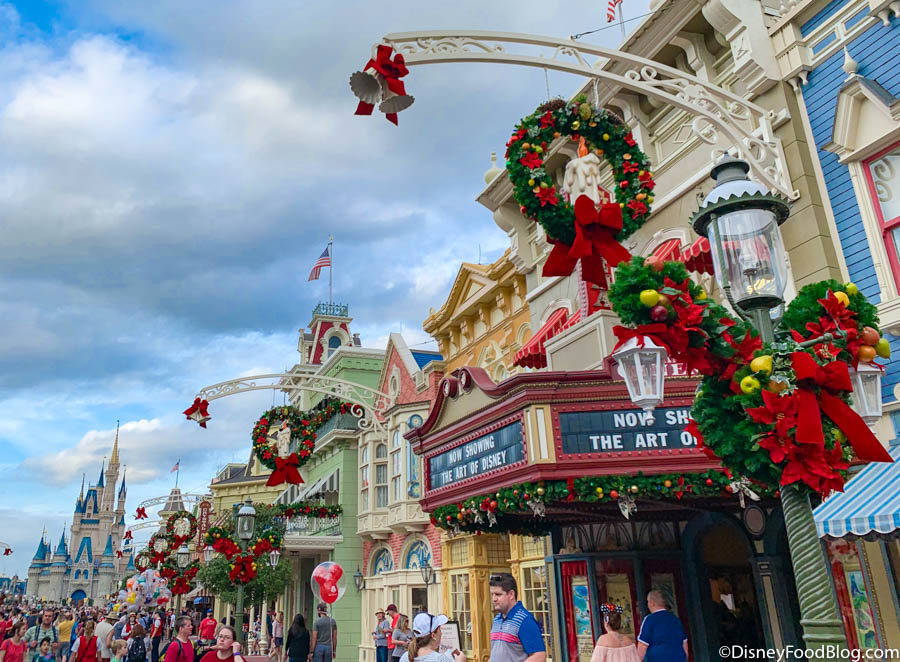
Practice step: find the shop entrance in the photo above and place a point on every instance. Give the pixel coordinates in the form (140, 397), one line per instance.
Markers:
(727, 590)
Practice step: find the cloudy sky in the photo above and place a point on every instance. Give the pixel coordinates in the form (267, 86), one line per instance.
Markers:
(169, 171)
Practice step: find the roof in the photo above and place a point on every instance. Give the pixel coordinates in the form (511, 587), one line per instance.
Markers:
(101, 483)
(108, 550)
(85, 548)
(174, 503)
(869, 504)
(41, 551)
(423, 357)
(61, 547)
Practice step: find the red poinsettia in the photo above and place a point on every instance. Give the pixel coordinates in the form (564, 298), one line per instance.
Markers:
(531, 161)
(629, 140)
(629, 166)
(646, 181)
(778, 410)
(547, 120)
(637, 207)
(547, 196)
(743, 352)
(518, 135)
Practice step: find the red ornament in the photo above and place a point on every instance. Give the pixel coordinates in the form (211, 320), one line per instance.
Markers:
(654, 262)
(709, 482)
(613, 494)
(659, 313)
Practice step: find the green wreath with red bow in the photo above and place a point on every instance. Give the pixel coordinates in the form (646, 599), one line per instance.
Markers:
(142, 561)
(577, 228)
(155, 555)
(175, 540)
(180, 580)
(775, 413)
(242, 564)
(303, 427)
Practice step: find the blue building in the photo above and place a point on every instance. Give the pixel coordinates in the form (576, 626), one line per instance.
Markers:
(843, 59)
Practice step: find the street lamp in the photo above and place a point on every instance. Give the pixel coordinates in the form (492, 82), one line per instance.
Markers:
(208, 553)
(427, 573)
(244, 528)
(867, 391)
(274, 555)
(741, 218)
(642, 365)
(359, 580)
(182, 559)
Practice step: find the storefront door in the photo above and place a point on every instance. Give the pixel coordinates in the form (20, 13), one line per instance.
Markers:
(579, 610)
(616, 585)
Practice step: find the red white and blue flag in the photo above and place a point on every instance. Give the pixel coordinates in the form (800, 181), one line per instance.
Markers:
(611, 10)
(175, 468)
(323, 261)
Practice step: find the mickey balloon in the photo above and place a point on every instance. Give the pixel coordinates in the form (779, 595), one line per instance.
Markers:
(328, 581)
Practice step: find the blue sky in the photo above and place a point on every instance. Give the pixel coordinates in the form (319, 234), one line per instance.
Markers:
(169, 172)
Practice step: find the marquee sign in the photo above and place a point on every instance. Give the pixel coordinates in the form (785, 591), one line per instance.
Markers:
(488, 452)
(600, 432)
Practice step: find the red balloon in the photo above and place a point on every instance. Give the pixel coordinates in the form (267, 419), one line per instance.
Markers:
(327, 579)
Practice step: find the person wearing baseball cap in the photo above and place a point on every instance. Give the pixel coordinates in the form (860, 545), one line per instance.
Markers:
(393, 616)
(425, 646)
(323, 642)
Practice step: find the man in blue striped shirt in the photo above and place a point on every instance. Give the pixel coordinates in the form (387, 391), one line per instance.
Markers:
(515, 635)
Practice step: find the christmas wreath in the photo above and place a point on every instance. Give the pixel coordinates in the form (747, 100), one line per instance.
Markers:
(221, 541)
(577, 228)
(159, 547)
(176, 540)
(142, 561)
(243, 569)
(774, 413)
(180, 580)
(303, 426)
(495, 512)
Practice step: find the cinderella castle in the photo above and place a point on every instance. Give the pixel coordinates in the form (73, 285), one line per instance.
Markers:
(92, 562)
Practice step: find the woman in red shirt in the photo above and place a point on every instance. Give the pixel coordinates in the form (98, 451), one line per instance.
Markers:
(85, 648)
(226, 648)
(13, 649)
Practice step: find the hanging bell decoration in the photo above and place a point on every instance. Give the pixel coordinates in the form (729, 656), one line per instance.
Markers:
(379, 81)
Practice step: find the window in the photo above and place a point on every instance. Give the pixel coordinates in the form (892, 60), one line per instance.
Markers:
(497, 548)
(364, 488)
(364, 455)
(382, 562)
(533, 547)
(883, 177)
(381, 486)
(333, 343)
(380, 452)
(396, 468)
(459, 553)
(396, 439)
(460, 611)
(536, 599)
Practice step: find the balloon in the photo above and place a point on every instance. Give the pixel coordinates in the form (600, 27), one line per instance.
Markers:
(130, 599)
(329, 582)
(130, 582)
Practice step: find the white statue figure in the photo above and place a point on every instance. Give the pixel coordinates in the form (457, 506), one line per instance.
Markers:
(284, 440)
(182, 527)
(583, 176)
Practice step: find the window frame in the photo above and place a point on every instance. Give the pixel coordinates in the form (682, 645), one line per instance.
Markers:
(465, 598)
(885, 226)
(381, 487)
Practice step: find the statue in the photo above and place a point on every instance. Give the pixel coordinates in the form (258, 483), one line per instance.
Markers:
(182, 527)
(284, 440)
(583, 177)
(571, 547)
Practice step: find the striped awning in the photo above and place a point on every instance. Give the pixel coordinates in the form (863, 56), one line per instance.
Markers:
(869, 504)
(532, 354)
(696, 257)
(668, 250)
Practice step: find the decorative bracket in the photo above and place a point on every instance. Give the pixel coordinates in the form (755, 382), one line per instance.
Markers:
(716, 111)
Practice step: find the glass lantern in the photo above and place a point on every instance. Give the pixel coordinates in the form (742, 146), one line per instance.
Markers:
(867, 392)
(208, 553)
(246, 521)
(642, 366)
(274, 556)
(183, 556)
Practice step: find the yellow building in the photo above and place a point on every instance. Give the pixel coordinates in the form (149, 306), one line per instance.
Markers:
(484, 322)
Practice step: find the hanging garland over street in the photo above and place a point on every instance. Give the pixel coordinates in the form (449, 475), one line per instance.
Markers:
(494, 512)
(789, 401)
(578, 229)
(285, 465)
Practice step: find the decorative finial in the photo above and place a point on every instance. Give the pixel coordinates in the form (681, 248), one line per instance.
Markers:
(850, 65)
(493, 171)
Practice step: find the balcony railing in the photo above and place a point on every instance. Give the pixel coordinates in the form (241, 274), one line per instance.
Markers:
(332, 309)
(313, 526)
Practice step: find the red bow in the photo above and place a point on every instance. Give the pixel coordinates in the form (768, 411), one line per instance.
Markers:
(661, 334)
(141, 513)
(595, 233)
(226, 547)
(128, 535)
(286, 471)
(198, 406)
(118, 553)
(831, 378)
(158, 557)
(7, 551)
(243, 571)
(393, 71)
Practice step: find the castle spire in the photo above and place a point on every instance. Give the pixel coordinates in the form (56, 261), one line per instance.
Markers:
(122, 489)
(114, 458)
(101, 483)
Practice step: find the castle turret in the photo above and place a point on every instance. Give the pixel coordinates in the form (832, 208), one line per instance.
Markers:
(41, 550)
(112, 475)
(61, 549)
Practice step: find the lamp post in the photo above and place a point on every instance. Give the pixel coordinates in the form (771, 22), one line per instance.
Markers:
(427, 573)
(359, 579)
(244, 526)
(741, 219)
(182, 558)
(274, 557)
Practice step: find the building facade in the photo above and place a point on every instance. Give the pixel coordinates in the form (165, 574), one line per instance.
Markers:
(841, 60)
(91, 563)
(399, 542)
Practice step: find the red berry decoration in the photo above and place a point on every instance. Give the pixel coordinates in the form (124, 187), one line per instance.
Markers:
(613, 494)
(659, 313)
(654, 262)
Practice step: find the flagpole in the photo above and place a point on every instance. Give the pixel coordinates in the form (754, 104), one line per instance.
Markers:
(177, 471)
(330, 267)
(621, 19)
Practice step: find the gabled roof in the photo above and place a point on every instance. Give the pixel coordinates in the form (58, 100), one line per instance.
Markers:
(423, 358)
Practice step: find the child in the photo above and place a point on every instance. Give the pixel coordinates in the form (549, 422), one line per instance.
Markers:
(44, 654)
(119, 650)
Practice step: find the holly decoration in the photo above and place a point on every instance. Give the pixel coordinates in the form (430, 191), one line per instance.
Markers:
(509, 503)
(175, 540)
(533, 187)
(303, 427)
(775, 413)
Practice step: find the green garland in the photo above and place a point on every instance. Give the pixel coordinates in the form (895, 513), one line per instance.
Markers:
(308, 509)
(509, 504)
(605, 136)
(303, 426)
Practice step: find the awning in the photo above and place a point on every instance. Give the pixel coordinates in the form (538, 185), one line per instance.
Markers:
(532, 354)
(668, 250)
(696, 257)
(869, 504)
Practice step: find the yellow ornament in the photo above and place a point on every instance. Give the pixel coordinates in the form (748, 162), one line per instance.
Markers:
(531, 182)
(605, 136)
(843, 298)
(851, 289)
(762, 364)
(538, 149)
(750, 384)
(649, 298)
(545, 185)
(640, 173)
(667, 483)
(634, 489)
(621, 205)
(576, 125)
(701, 296)
(599, 491)
(649, 198)
(883, 348)
(540, 491)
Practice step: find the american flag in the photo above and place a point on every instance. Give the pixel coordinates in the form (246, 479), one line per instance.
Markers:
(611, 10)
(323, 261)
(175, 468)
